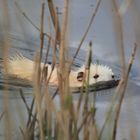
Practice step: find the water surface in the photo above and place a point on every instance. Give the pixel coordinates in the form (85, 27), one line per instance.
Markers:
(25, 39)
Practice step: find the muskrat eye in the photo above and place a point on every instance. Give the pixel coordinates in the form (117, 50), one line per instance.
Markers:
(113, 76)
(80, 76)
(95, 76)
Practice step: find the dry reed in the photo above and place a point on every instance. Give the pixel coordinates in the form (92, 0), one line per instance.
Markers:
(70, 121)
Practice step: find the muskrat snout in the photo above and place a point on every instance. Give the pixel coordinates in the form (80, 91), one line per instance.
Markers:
(80, 76)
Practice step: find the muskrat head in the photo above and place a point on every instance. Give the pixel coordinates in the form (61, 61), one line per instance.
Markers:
(97, 73)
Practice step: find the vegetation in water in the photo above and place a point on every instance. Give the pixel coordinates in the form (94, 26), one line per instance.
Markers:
(71, 121)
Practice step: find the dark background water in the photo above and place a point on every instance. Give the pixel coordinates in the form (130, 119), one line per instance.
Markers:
(25, 39)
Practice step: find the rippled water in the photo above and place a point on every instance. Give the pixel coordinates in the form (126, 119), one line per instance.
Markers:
(25, 39)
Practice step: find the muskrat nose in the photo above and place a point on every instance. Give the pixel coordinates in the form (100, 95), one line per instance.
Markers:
(80, 76)
(96, 76)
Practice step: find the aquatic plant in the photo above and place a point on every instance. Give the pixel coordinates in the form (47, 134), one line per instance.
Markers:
(70, 121)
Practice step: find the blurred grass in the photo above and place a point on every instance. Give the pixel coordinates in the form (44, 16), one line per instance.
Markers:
(70, 122)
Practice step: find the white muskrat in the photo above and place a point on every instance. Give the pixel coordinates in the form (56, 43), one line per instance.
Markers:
(22, 67)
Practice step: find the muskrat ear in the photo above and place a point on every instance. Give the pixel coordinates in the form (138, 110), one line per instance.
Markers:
(80, 76)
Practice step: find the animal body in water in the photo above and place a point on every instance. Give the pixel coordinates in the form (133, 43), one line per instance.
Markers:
(24, 68)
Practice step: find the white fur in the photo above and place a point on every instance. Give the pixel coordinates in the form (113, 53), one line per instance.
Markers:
(20, 66)
(24, 68)
(105, 73)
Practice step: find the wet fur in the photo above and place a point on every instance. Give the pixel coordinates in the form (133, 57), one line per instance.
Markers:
(23, 67)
